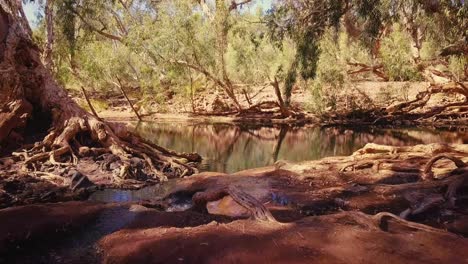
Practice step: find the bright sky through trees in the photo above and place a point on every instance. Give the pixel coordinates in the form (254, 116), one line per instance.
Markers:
(32, 8)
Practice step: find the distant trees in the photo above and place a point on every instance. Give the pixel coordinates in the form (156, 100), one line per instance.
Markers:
(405, 40)
(165, 47)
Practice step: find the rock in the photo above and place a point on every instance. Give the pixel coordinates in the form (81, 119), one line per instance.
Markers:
(79, 180)
(228, 207)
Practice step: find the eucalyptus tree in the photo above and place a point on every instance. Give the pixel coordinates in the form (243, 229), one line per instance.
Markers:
(305, 21)
(30, 97)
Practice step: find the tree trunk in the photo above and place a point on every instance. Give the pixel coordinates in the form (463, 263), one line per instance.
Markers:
(283, 108)
(222, 29)
(28, 91)
(49, 18)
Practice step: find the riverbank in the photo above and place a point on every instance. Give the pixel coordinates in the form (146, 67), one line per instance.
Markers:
(332, 210)
(141, 235)
(337, 205)
(128, 116)
(225, 148)
(369, 103)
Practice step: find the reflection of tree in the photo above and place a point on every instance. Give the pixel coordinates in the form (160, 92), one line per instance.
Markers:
(258, 136)
(405, 138)
(247, 144)
(229, 148)
(279, 143)
(226, 155)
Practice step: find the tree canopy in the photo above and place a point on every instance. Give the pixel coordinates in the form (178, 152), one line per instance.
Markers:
(165, 47)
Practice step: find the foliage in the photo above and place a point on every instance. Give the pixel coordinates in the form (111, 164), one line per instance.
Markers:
(146, 45)
(397, 57)
(252, 57)
(393, 92)
(332, 80)
(458, 66)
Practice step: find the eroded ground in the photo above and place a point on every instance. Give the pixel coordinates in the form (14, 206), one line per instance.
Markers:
(380, 205)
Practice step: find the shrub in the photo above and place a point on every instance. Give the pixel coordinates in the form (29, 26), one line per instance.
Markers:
(396, 56)
(333, 83)
(457, 66)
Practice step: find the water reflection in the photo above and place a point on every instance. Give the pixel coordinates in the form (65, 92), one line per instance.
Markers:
(231, 148)
(155, 192)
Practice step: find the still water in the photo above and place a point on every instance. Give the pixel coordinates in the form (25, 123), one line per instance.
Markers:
(231, 148)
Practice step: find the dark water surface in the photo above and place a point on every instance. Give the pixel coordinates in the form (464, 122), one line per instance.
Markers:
(232, 148)
(154, 192)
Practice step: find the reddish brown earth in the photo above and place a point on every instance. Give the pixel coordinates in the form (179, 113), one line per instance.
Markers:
(334, 210)
(338, 238)
(151, 236)
(34, 221)
(29, 233)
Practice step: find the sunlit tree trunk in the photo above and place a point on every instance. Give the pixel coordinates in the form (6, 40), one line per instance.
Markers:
(222, 29)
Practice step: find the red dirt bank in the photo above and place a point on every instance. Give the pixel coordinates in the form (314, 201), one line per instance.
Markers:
(189, 237)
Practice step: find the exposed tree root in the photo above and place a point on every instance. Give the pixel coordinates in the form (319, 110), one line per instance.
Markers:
(73, 134)
(381, 220)
(428, 174)
(152, 161)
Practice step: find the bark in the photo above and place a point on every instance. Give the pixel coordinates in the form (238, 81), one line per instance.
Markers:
(49, 20)
(28, 88)
(283, 108)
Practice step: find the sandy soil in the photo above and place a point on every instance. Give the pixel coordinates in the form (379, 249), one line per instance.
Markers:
(180, 109)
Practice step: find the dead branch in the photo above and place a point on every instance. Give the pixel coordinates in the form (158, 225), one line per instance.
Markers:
(128, 100)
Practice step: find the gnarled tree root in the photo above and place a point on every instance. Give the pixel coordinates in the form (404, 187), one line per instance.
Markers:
(153, 161)
(427, 172)
(381, 222)
(31, 94)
